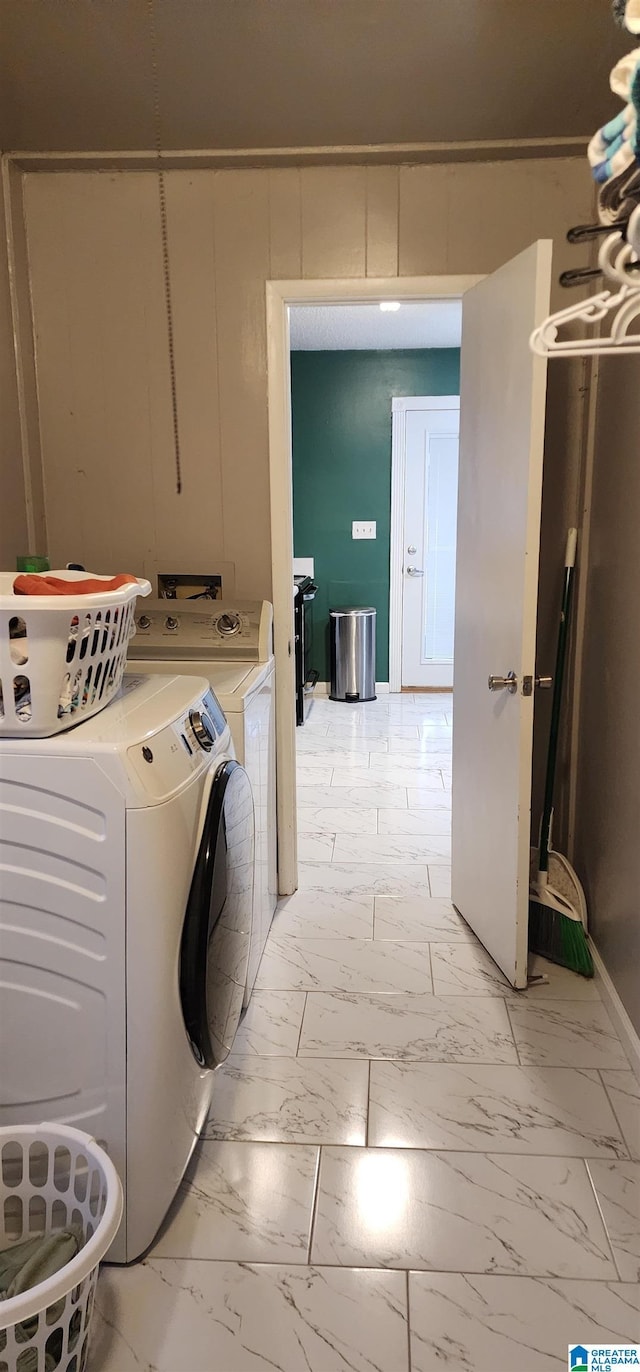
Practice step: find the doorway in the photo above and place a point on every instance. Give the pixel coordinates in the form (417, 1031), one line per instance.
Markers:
(502, 406)
(281, 295)
(424, 494)
(351, 366)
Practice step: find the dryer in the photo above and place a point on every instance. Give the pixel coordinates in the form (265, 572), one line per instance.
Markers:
(232, 644)
(126, 900)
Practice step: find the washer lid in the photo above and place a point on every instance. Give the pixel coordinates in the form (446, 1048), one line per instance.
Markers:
(228, 677)
(233, 682)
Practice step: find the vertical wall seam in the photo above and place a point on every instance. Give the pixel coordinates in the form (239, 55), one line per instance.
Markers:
(18, 350)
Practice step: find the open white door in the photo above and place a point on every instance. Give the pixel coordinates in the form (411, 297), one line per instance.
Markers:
(502, 415)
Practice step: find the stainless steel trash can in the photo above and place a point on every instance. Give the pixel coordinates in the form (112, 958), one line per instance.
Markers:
(353, 653)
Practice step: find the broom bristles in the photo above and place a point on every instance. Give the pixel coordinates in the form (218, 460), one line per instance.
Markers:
(560, 939)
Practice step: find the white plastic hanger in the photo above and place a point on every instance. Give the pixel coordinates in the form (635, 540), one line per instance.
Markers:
(614, 258)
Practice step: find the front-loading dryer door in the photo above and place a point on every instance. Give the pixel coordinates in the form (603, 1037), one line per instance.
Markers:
(214, 952)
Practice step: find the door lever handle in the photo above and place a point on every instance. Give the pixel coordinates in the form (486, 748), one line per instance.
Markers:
(414, 571)
(504, 683)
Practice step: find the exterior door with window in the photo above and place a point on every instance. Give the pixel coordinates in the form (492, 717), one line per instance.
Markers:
(431, 436)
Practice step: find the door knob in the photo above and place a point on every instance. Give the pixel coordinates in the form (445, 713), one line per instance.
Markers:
(504, 683)
(414, 571)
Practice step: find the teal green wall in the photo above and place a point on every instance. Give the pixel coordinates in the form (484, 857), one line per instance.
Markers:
(341, 405)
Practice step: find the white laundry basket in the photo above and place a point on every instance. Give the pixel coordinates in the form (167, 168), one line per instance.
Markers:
(62, 658)
(52, 1176)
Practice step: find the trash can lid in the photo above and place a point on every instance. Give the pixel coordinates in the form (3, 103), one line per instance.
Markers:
(354, 610)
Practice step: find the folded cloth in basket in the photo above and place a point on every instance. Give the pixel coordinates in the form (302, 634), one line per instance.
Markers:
(25, 1264)
(34, 583)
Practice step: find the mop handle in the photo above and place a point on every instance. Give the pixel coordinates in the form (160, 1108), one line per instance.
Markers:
(556, 706)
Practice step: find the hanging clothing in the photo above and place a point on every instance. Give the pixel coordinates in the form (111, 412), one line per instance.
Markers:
(613, 148)
(627, 13)
(620, 194)
(621, 78)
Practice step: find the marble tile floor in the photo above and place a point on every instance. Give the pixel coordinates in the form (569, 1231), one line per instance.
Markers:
(408, 1166)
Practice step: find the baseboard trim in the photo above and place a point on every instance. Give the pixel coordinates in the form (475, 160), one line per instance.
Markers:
(321, 688)
(429, 690)
(622, 1023)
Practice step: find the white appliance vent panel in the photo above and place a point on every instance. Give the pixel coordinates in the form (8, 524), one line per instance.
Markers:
(62, 912)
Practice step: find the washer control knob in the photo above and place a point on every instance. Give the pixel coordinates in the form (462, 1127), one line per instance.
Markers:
(229, 623)
(171, 622)
(203, 730)
(144, 622)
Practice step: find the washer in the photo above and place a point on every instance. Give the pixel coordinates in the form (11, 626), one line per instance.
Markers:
(126, 885)
(232, 643)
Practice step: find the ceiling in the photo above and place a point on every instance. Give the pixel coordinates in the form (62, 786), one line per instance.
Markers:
(427, 324)
(76, 75)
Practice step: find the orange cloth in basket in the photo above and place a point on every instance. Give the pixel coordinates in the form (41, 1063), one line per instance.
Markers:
(35, 583)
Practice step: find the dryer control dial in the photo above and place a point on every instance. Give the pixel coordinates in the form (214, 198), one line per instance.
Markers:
(229, 623)
(171, 623)
(202, 729)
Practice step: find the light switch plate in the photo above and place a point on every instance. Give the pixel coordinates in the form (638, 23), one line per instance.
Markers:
(363, 528)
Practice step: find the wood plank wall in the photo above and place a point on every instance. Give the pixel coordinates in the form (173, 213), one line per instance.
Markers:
(100, 333)
(607, 853)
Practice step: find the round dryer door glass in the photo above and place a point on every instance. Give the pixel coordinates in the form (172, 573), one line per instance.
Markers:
(214, 953)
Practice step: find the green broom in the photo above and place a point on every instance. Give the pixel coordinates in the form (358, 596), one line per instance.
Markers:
(557, 909)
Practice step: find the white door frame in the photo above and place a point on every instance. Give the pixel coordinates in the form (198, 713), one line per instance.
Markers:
(399, 407)
(279, 296)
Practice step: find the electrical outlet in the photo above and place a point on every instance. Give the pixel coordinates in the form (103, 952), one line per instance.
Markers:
(363, 528)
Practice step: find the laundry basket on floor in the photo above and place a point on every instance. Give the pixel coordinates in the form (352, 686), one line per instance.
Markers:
(62, 657)
(52, 1176)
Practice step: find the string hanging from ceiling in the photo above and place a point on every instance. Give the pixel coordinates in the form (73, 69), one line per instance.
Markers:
(164, 237)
